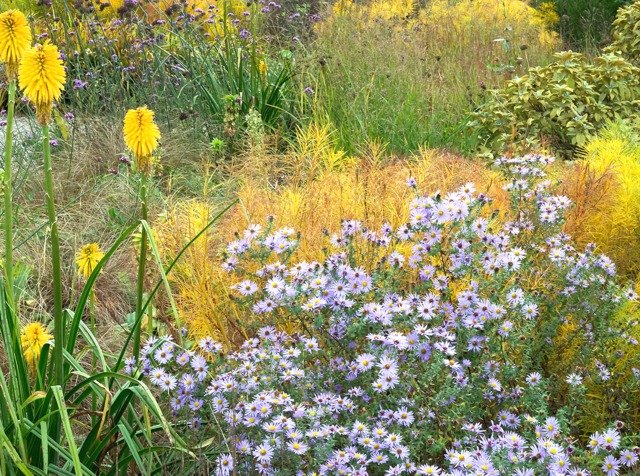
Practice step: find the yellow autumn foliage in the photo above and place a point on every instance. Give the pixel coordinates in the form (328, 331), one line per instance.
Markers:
(605, 186)
(201, 287)
(526, 23)
(323, 187)
(463, 20)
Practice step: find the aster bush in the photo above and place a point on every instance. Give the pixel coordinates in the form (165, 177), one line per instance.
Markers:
(465, 341)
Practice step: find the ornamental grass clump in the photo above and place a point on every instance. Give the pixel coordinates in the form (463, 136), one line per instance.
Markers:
(467, 339)
(409, 72)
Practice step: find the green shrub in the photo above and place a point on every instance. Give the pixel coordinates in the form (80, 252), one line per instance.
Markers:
(626, 34)
(559, 105)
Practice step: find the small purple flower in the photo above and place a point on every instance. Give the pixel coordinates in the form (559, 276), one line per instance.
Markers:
(78, 84)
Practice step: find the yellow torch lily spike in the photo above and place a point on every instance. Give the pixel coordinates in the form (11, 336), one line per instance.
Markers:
(33, 336)
(141, 134)
(15, 38)
(88, 258)
(42, 76)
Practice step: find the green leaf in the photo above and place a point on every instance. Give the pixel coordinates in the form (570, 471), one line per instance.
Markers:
(66, 424)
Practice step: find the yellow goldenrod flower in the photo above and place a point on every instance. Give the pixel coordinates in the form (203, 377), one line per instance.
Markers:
(42, 77)
(34, 336)
(15, 38)
(141, 135)
(87, 259)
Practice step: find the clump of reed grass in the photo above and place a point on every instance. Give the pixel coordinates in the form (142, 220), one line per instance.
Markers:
(409, 75)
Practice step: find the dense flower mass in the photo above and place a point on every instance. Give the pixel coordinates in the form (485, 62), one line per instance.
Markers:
(141, 135)
(42, 77)
(15, 38)
(444, 346)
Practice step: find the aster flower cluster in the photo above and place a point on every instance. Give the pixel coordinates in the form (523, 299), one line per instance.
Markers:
(414, 338)
(269, 395)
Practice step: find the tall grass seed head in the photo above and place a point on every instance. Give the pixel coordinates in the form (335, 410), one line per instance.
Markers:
(33, 336)
(42, 76)
(88, 258)
(141, 135)
(15, 38)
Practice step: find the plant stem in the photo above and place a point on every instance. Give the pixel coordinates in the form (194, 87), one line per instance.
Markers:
(141, 266)
(8, 201)
(58, 319)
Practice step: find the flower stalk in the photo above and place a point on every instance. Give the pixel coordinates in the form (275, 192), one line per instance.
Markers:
(8, 195)
(141, 268)
(141, 135)
(58, 318)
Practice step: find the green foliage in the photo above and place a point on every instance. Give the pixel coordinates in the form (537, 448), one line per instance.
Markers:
(171, 63)
(559, 105)
(409, 78)
(626, 34)
(226, 69)
(585, 23)
(31, 404)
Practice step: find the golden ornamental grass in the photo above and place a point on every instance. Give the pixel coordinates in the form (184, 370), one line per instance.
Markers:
(141, 134)
(42, 76)
(15, 38)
